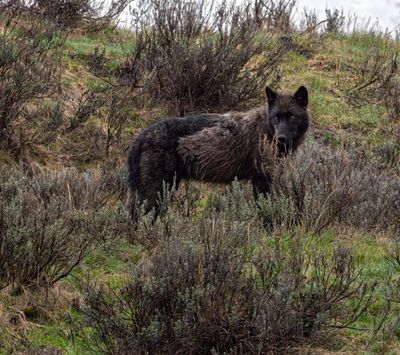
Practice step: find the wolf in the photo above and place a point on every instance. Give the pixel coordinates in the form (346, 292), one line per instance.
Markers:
(214, 148)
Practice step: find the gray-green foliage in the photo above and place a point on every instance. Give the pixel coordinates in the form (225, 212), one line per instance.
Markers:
(322, 187)
(217, 281)
(48, 223)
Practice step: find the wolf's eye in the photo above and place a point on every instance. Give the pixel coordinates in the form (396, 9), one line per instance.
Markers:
(292, 117)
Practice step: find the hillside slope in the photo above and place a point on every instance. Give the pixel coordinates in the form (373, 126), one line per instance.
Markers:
(320, 276)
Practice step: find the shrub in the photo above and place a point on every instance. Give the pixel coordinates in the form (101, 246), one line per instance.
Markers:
(318, 188)
(29, 71)
(97, 62)
(376, 75)
(276, 16)
(109, 104)
(214, 284)
(321, 187)
(49, 222)
(309, 21)
(190, 57)
(334, 21)
(90, 103)
(69, 14)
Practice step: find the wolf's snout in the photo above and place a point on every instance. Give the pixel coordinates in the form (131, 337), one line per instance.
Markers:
(281, 139)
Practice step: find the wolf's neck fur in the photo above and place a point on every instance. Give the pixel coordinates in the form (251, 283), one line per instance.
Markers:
(253, 124)
(242, 145)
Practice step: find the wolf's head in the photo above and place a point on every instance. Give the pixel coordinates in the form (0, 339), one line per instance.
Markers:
(288, 118)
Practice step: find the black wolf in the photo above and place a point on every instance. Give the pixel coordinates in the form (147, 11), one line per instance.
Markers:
(214, 147)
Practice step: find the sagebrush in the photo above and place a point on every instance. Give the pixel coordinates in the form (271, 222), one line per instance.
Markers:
(190, 56)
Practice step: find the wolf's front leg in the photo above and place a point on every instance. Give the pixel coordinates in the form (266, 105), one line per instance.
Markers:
(261, 184)
(262, 187)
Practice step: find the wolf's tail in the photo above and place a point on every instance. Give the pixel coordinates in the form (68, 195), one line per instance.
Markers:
(132, 201)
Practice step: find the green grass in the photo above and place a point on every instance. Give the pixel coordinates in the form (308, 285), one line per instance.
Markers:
(61, 335)
(116, 43)
(115, 47)
(326, 74)
(109, 266)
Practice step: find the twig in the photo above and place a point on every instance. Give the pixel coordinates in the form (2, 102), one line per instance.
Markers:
(308, 30)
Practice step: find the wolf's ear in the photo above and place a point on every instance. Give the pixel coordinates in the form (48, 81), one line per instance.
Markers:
(271, 96)
(301, 96)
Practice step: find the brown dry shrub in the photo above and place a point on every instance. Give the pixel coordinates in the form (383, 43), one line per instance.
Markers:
(100, 116)
(92, 15)
(190, 56)
(30, 77)
(275, 16)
